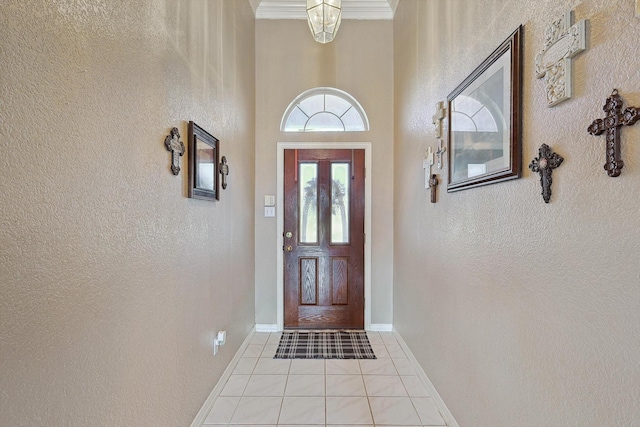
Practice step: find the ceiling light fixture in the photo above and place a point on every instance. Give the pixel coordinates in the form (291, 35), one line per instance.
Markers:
(324, 18)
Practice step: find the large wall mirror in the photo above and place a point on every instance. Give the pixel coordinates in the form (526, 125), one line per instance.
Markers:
(484, 120)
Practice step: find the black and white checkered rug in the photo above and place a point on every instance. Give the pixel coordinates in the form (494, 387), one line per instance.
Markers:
(324, 345)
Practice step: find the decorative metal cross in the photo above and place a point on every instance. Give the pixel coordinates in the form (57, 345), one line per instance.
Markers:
(426, 165)
(562, 41)
(544, 164)
(439, 153)
(611, 124)
(172, 143)
(224, 171)
(433, 183)
(437, 118)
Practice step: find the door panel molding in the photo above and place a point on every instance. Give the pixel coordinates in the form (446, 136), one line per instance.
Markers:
(281, 146)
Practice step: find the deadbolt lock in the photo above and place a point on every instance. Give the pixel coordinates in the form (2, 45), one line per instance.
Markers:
(288, 234)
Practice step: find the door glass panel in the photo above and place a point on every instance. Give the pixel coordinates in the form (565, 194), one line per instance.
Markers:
(340, 202)
(308, 215)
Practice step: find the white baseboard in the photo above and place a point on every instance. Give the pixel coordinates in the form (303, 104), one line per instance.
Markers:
(442, 407)
(202, 414)
(381, 327)
(266, 327)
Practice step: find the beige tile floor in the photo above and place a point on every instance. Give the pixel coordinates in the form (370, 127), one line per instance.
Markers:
(263, 391)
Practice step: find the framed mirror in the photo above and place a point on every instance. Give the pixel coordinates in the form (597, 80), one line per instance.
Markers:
(484, 122)
(204, 151)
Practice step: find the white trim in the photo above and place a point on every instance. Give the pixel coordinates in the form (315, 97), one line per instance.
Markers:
(280, 218)
(393, 4)
(442, 407)
(351, 9)
(267, 327)
(203, 413)
(254, 5)
(381, 327)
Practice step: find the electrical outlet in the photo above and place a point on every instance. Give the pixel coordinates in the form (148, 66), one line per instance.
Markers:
(216, 345)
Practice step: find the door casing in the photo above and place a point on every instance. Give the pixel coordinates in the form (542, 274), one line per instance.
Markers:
(366, 146)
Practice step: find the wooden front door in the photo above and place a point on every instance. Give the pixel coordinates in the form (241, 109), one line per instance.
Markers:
(324, 239)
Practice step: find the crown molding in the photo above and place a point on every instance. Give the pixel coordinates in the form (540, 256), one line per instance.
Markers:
(351, 9)
(254, 5)
(393, 4)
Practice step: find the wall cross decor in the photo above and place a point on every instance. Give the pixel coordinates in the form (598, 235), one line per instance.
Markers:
(433, 183)
(612, 124)
(439, 153)
(544, 164)
(172, 143)
(437, 118)
(224, 171)
(562, 41)
(426, 165)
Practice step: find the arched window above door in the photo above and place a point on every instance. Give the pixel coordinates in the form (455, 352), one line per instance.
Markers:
(324, 109)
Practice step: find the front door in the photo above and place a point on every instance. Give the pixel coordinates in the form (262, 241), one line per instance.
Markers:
(324, 239)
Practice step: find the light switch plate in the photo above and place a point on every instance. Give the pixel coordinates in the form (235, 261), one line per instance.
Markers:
(270, 211)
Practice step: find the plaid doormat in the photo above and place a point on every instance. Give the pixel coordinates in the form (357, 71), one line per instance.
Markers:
(324, 345)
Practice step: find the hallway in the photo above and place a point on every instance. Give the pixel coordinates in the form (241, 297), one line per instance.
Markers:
(264, 391)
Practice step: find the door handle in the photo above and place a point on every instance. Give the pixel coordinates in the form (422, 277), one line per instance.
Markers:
(289, 248)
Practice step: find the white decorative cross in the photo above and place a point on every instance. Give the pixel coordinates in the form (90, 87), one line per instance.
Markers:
(562, 41)
(439, 153)
(437, 118)
(426, 165)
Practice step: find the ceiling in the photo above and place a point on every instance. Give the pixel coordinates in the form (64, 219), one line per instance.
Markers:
(351, 9)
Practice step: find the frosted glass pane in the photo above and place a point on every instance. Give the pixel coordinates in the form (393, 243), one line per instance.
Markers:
(336, 105)
(312, 105)
(296, 121)
(340, 202)
(324, 122)
(353, 121)
(308, 215)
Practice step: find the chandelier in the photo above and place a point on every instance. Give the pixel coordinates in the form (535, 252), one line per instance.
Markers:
(324, 18)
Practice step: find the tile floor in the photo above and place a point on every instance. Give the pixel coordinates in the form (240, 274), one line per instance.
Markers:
(263, 391)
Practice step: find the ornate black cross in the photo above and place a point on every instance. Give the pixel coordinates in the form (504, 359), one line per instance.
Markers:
(544, 164)
(433, 183)
(173, 144)
(611, 124)
(224, 171)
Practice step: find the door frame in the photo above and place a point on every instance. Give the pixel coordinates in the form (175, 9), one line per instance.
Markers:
(366, 146)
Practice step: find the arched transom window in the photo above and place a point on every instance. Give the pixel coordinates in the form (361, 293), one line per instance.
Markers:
(324, 109)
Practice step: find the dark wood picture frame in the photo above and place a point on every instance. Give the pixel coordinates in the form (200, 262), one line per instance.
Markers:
(204, 153)
(484, 120)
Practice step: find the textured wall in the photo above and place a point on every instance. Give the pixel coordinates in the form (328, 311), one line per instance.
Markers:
(521, 313)
(359, 61)
(112, 281)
